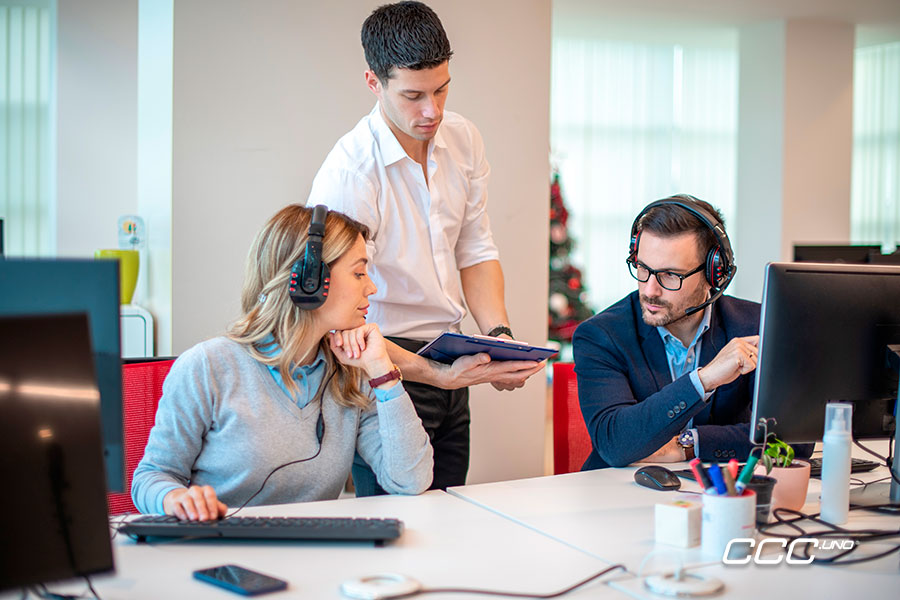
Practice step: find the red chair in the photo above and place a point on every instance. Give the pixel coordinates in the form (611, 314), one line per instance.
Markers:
(571, 442)
(141, 390)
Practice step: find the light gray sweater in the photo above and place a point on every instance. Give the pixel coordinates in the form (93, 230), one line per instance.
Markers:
(223, 421)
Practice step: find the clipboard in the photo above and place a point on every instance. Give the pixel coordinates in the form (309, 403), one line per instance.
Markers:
(449, 346)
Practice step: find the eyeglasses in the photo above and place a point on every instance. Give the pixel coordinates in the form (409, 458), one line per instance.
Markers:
(667, 279)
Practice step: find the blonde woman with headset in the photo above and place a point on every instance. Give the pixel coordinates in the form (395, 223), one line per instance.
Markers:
(275, 411)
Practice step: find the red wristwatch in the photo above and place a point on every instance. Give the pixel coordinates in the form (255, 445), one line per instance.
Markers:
(389, 376)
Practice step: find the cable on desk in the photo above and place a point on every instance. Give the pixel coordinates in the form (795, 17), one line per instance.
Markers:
(857, 536)
(41, 591)
(511, 594)
(886, 460)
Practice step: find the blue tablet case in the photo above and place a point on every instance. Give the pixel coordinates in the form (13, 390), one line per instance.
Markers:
(448, 346)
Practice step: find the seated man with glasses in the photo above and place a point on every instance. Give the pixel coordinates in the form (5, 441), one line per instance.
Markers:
(666, 373)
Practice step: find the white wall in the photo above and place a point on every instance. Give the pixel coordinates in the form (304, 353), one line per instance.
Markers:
(818, 133)
(262, 91)
(96, 122)
(795, 142)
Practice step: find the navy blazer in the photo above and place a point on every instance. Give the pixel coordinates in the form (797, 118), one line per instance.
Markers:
(631, 405)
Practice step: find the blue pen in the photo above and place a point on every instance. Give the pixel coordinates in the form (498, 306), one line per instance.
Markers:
(715, 473)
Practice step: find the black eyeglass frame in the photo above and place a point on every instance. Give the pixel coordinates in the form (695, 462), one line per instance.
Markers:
(634, 265)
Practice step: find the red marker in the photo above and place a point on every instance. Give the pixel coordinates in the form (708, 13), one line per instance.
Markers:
(733, 467)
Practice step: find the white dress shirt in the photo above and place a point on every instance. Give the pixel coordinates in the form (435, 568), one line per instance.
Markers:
(422, 233)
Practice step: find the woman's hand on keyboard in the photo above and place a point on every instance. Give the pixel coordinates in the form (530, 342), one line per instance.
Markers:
(196, 503)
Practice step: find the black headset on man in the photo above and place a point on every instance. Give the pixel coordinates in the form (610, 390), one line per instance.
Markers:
(720, 268)
(310, 276)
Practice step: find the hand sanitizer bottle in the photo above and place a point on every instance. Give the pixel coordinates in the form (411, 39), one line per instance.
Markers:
(836, 462)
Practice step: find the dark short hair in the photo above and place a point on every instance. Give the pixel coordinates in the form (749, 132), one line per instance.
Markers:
(671, 219)
(406, 35)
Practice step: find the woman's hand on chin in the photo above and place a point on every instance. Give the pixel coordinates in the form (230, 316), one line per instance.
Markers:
(362, 347)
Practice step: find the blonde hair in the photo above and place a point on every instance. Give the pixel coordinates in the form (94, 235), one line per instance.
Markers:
(268, 309)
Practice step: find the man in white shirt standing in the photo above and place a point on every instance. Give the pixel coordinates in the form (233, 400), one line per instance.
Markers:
(417, 177)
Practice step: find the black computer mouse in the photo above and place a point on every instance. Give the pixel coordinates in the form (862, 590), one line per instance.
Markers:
(657, 478)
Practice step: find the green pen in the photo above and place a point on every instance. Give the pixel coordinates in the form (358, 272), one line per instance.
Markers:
(745, 476)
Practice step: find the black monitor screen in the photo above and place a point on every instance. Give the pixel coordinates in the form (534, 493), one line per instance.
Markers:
(824, 334)
(835, 254)
(54, 524)
(44, 286)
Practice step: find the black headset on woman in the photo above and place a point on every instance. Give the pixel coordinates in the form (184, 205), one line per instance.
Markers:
(310, 276)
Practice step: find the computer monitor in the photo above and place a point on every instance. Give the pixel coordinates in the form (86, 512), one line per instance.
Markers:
(824, 336)
(54, 522)
(834, 253)
(48, 286)
(877, 258)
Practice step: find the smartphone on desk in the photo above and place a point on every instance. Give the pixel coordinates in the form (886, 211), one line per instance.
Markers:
(240, 580)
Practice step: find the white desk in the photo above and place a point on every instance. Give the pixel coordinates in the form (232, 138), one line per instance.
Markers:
(533, 535)
(447, 542)
(604, 512)
(878, 580)
(607, 515)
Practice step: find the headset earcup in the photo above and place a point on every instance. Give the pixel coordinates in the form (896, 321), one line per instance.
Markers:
(635, 239)
(715, 267)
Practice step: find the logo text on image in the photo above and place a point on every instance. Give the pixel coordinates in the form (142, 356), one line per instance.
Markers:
(788, 557)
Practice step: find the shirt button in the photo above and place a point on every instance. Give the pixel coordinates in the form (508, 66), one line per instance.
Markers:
(671, 414)
(683, 405)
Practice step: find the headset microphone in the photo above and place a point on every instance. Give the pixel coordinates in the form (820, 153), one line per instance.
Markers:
(310, 276)
(713, 298)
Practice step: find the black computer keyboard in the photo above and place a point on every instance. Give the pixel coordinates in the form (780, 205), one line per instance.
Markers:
(857, 465)
(283, 528)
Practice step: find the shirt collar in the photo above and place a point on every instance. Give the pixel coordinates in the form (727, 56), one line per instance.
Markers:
(389, 146)
(270, 348)
(666, 335)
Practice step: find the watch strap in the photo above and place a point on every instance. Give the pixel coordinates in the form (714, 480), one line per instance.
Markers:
(686, 441)
(500, 330)
(389, 376)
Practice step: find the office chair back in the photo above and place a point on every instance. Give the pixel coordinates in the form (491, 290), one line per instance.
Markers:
(141, 390)
(571, 442)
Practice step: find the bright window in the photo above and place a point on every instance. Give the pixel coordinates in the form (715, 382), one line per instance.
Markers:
(875, 197)
(26, 130)
(632, 123)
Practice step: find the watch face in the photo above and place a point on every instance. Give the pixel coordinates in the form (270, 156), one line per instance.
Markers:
(686, 439)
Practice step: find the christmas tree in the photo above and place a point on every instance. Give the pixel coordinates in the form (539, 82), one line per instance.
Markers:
(568, 306)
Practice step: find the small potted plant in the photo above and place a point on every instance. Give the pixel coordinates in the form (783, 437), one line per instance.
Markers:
(792, 475)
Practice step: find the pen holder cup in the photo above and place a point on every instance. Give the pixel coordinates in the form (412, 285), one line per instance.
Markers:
(763, 486)
(726, 518)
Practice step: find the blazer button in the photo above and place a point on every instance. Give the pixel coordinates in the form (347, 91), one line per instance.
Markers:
(671, 414)
(731, 454)
(676, 409)
(717, 454)
(683, 405)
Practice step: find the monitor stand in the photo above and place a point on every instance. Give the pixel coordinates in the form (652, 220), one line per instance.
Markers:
(894, 357)
(887, 492)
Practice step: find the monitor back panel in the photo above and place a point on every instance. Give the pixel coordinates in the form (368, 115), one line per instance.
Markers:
(53, 520)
